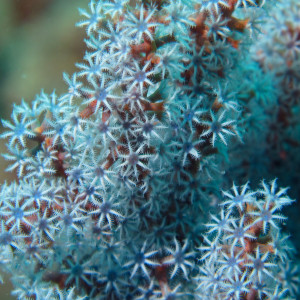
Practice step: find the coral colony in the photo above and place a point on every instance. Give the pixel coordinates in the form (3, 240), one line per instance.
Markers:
(123, 187)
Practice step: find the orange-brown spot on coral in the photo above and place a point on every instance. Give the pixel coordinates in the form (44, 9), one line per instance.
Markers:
(145, 47)
(153, 58)
(234, 43)
(237, 24)
(89, 110)
(161, 276)
(156, 107)
(216, 105)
